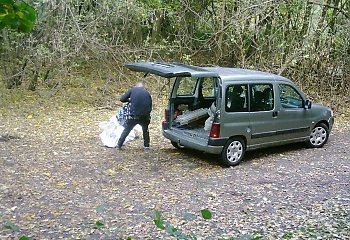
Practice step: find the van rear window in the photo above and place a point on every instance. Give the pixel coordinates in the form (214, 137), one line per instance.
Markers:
(187, 86)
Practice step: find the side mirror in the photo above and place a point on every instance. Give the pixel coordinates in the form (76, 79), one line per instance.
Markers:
(307, 104)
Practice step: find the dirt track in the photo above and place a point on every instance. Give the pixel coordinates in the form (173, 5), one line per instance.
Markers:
(57, 181)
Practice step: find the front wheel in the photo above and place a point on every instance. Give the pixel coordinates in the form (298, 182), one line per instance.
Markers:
(233, 152)
(318, 136)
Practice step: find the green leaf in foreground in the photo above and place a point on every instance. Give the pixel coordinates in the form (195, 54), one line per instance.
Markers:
(9, 225)
(206, 214)
(158, 221)
(24, 238)
(99, 224)
(20, 16)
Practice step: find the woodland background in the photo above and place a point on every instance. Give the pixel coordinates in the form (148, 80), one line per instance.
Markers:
(78, 47)
(62, 75)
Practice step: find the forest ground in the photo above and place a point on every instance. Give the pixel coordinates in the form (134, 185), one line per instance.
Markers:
(59, 182)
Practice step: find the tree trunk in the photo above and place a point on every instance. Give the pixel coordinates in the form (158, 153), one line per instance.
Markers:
(319, 25)
(157, 24)
(34, 81)
(306, 20)
(221, 47)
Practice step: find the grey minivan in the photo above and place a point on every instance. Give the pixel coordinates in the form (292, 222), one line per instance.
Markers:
(228, 111)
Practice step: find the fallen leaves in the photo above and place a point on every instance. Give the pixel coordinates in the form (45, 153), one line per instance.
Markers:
(47, 173)
(111, 172)
(29, 217)
(58, 182)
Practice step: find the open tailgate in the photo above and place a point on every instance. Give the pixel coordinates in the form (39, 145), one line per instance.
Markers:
(170, 70)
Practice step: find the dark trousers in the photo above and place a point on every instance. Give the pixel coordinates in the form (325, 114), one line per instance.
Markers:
(144, 121)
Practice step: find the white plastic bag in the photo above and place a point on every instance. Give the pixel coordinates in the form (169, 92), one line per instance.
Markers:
(208, 123)
(112, 131)
(210, 119)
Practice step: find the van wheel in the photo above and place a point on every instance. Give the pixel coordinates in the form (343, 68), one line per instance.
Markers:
(318, 136)
(177, 145)
(233, 152)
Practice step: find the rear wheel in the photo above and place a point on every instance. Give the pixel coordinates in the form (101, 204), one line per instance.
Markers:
(318, 136)
(233, 152)
(177, 145)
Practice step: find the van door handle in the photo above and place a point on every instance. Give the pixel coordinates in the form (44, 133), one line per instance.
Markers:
(275, 114)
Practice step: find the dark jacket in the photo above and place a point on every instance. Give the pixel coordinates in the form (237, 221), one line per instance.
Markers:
(140, 100)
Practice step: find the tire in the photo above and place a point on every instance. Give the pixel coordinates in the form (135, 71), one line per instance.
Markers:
(177, 145)
(233, 152)
(318, 136)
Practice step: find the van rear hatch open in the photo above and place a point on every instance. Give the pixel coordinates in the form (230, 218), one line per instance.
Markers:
(187, 110)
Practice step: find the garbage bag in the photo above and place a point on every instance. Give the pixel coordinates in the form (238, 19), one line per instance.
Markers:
(208, 123)
(112, 131)
(210, 119)
(123, 113)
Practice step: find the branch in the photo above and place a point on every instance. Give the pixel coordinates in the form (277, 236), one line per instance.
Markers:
(223, 29)
(331, 6)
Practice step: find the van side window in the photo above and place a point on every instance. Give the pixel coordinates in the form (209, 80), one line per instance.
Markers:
(261, 97)
(289, 97)
(187, 86)
(236, 98)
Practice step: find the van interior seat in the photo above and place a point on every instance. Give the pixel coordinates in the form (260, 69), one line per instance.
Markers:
(267, 98)
(262, 100)
(236, 102)
(258, 102)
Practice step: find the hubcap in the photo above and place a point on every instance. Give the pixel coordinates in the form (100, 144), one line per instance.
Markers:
(234, 151)
(318, 136)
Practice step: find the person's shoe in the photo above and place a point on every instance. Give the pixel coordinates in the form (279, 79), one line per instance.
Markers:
(146, 148)
(118, 147)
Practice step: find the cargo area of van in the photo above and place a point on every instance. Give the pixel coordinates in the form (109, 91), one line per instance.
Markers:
(192, 106)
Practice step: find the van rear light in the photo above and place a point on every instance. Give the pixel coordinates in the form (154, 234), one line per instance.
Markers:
(166, 115)
(215, 130)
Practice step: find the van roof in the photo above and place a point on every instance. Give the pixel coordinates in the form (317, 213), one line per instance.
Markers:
(227, 74)
(170, 70)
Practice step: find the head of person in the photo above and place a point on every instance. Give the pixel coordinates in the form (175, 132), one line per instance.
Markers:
(139, 84)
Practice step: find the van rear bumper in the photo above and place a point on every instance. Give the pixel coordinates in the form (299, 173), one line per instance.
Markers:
(189, 142)
(217, 141)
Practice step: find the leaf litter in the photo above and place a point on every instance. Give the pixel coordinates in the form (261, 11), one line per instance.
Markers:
(57, 181)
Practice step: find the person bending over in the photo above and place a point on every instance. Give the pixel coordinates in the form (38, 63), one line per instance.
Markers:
(140, 109)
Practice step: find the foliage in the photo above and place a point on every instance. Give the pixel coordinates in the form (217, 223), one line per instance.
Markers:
(19, 16)
(307, 231)
(306, 41)
(169, 228)
(206, 214)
